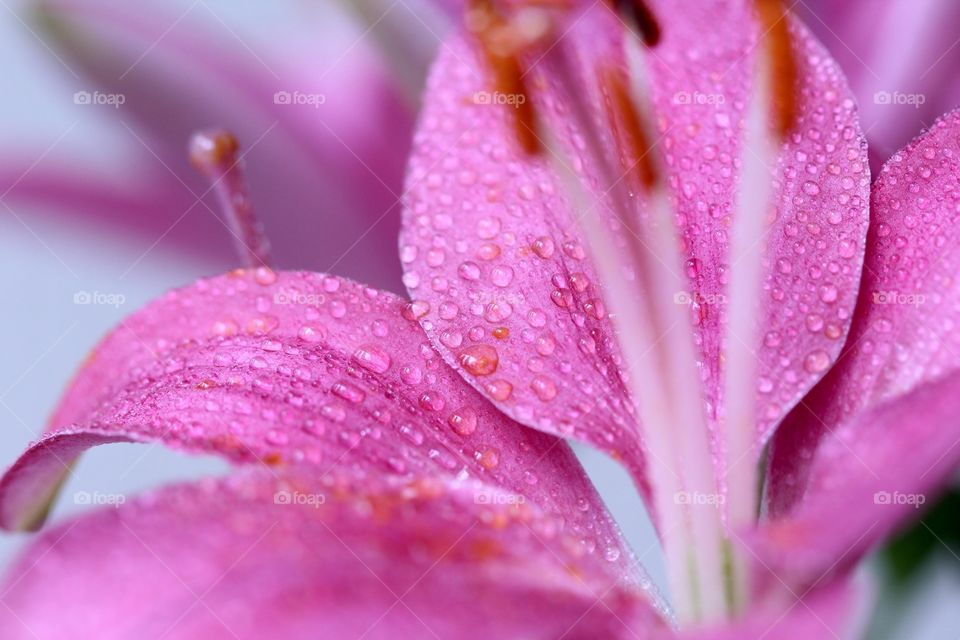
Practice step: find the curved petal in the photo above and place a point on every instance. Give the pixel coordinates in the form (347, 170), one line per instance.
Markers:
(282, 368)
(254, 556)
(508, 294)
(306, 162)
(904, 330)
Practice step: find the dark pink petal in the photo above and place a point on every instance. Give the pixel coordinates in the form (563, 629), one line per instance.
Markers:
(254, 556)
(307, 165)
(871, 474)
(283, 368)
(905, 327)
(507, 292)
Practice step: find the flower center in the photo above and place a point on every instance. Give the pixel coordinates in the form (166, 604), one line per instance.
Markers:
(708, 577)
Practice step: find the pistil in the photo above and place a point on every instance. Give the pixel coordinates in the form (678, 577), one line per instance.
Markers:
(771, 115)
(215, 155)
(655, 336)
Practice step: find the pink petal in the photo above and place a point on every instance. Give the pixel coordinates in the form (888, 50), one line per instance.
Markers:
(900, 89)
(144, 202)
(306, 165)
(258, 556)
(490, 247)
(281, 368)
(904, 331)
(877, 438)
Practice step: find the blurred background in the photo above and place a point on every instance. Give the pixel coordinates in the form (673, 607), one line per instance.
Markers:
(100, 210)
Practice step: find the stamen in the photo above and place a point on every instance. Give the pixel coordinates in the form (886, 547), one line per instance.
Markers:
(753, 206)
(503, 41)
(638, 14)
(783, 64)
(214, 154)
(627, 119)
(657, 345)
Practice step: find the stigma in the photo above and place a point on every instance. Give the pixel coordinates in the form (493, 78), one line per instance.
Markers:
(215, 154)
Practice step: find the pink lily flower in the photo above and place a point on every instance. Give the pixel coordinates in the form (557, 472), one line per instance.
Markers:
(659, 248)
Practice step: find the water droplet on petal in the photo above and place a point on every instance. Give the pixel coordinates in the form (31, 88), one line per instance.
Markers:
(463, 421)
(479, 359)
(372, 358)
(544, 387)
(348, 392)
(816, 361)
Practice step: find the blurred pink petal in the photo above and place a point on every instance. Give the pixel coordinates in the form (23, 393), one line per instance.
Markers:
(299, 367)
(70, 188)
(308, 164)
(296, 556)
(490, 245)
(901, 90)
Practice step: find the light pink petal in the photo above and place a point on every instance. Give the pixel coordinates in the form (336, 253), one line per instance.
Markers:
(257, 556)
(307, 165)
(492, 252)
(905, 327)
(870, 475)
(283, 368)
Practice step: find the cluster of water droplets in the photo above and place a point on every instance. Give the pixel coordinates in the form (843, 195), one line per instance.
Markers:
(305, 368)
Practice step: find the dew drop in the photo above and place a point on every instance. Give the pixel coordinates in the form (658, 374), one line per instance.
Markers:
(348, 392)
(372, 358)
(463, 421)
(816, 361)
(544, 387)
(479, 359)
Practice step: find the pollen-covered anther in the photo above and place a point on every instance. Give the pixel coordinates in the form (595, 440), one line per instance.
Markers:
(783, 63)
(639, 16)
(504, 41)
(627, 121)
